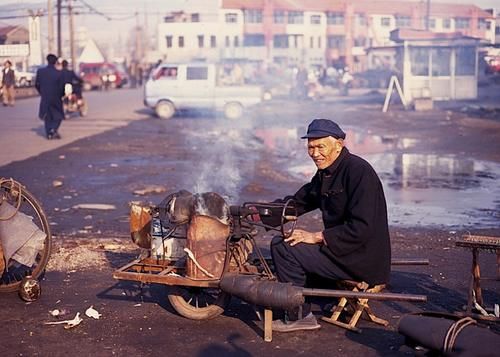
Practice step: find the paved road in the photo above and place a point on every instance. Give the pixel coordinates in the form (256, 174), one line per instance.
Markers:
(22, 133)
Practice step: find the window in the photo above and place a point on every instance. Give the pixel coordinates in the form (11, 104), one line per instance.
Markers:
(419, 58)
(319, 41)
(195, 17)
(196, 73)
(228, 41)
(465, 61)
(213, 41)
(315, 20)
(446, 23)
(336, 41)
(169, 41)
(201, 41)
(311, 42)
(462, 22)
(252, 16)
(440, 58)
(432, 23)
(334, 18)
(231, 18)
(236, 41)
(295, 17)
(482, 24)
(253, 40)
(279, 16)
(169, 73)
(280, 41)
(181, 41)
(360, 19)
(359, 42)
(385, 21)
(403, 21)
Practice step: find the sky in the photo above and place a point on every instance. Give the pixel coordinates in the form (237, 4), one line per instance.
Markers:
(150, 12)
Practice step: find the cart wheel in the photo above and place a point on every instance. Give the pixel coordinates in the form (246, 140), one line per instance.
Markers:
(198, 303)
(11, 278)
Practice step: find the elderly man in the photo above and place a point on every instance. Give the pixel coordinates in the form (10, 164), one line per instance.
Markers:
(354, 244)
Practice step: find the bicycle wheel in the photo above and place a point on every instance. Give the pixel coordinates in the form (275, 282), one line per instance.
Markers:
(29, 205)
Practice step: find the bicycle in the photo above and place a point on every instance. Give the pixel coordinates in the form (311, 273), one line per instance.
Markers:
(17, 200)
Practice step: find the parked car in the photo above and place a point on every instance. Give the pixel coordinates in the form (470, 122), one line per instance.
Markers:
(97, 75)
(175, 87)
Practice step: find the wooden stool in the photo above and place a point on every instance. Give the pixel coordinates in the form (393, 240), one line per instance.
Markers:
(358, 305)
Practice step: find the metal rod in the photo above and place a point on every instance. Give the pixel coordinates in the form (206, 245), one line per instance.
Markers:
(364, 295)
(409, 261)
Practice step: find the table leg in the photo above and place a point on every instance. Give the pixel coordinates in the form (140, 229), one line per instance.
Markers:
(476, 273)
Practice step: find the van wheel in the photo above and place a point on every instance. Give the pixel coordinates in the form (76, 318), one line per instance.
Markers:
(233, 110)
(165, 109)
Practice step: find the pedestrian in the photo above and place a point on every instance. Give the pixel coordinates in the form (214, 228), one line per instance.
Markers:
(301, 81)
(8, 84)
(345, 81)
(354, 244)
(50, 85)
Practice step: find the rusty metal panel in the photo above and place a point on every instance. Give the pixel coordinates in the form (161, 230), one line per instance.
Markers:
(206, 239)
(140, 225)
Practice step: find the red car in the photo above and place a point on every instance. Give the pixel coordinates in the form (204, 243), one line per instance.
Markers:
(101, 76)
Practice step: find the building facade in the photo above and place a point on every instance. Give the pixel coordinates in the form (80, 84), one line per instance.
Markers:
(312, 32)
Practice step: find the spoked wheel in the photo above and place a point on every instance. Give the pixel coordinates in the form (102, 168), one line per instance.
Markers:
(15, 194)
(198, 303)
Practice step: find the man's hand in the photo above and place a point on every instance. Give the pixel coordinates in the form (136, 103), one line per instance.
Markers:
(301, 236)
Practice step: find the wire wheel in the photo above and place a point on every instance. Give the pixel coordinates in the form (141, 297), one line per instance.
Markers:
(14, 193)
(198, 303)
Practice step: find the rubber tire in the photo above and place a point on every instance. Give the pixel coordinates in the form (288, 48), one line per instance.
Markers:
(233, 110)
(165, 109)
(183, 308)
(84, 109)
(45, 253)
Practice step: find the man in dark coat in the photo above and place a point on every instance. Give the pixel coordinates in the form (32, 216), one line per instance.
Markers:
(355, 243)
(50, 85)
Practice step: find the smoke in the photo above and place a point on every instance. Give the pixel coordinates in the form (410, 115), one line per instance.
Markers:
(220, 173)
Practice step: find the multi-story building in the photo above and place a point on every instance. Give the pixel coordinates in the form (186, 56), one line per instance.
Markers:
(313, 32)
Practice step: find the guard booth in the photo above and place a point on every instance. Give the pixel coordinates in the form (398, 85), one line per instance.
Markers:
(438, 66)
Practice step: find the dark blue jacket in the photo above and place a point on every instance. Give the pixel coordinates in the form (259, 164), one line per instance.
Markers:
(352, 202)
(50, 85)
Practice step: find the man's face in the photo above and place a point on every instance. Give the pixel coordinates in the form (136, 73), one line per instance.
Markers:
(324, 151)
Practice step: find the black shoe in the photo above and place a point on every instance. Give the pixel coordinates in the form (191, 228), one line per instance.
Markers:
(56, 135)
(50, 136)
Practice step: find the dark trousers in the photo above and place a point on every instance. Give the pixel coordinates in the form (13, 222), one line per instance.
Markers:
(52, 123)
(298, 263)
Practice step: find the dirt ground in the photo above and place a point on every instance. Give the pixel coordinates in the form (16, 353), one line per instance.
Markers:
(149, 158)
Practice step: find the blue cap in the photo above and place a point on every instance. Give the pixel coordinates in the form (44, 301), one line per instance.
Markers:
(319, 128)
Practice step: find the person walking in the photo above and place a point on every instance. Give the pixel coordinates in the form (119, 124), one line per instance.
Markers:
(50, 85)
(8, 84)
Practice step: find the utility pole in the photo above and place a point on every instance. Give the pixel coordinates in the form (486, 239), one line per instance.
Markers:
(138, 39)
(50, 26)
(71, 35)
(428, 15)
(59, 40)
